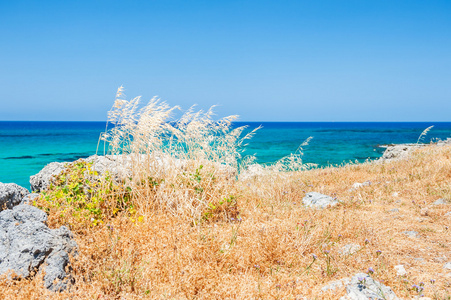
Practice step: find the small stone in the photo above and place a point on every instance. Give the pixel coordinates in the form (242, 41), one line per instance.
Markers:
(362, 286)
(395, 194)
(400, 271)
(448, 214)
(349, 249)
(358, 185)
(317, 200)
(441, 202)
(411, 234)
(394, 210)
(447, 266)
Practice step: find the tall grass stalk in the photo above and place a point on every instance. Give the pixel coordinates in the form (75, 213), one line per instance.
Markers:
(424, 133)
(182, 165)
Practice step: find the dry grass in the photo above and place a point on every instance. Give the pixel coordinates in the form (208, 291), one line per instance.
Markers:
(267, 254)
(264, 246)
(183, 167)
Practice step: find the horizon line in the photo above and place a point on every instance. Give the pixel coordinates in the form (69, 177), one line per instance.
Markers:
(60, 121)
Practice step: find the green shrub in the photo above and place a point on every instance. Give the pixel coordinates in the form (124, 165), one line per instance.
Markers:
(82, 197)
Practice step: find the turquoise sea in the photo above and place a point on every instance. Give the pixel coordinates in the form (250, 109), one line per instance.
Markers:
(26, 147)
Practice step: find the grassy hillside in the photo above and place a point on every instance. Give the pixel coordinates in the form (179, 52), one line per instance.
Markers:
(183, 220)
(273, 247)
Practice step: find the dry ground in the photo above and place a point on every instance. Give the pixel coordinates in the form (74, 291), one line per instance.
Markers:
(269, 252)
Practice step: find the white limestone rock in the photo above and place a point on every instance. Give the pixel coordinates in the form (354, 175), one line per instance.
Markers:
(317, 200)
(400, 270)
(349, 249)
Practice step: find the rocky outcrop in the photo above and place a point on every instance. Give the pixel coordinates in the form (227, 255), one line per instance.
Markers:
(317, 200)
(402, 151)
(11, 195)
(121, 166)
(28, 246)
(362, 286)
(100, 164)
(42, 180)
(444, 142)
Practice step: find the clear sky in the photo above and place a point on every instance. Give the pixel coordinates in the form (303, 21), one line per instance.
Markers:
(367, 60)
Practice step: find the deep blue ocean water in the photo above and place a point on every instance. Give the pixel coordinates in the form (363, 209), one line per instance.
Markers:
(26, 147)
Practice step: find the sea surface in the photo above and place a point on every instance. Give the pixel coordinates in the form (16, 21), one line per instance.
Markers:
(26, 147)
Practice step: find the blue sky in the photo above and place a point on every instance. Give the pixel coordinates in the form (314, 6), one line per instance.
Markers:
(367, 60)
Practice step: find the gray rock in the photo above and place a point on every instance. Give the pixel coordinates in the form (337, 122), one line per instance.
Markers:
(363, 287)
(448, 214)
(120, 167)
(101, 164)
(441, 202)
(394, 210)
(411, 234)
(26, 213)
(42, 180)
(444, 142)
(447, 266)
(401, 151)
(317, 200)
(11, 194)
(28, 199)
(349, 249)
(27, 245)
(336, 284)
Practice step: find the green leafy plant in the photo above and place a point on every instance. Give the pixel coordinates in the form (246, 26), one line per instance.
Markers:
(83, 197)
